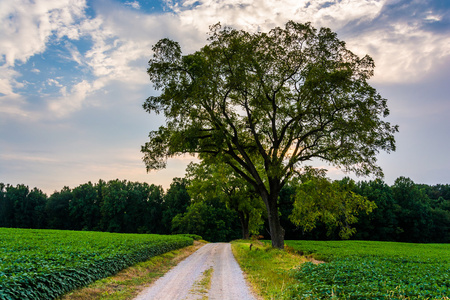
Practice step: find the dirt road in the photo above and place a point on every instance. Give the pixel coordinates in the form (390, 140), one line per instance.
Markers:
(184, 281)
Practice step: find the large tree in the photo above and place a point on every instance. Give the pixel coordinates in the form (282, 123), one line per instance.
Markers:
(278, 99)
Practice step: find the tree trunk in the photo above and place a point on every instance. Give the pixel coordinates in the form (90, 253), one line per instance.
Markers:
(276, 231)
(244, 218)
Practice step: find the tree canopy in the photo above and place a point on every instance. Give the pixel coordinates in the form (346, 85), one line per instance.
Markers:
(277, 99)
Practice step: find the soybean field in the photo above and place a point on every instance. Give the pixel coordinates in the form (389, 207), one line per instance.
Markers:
(372, 270)
(45, 264)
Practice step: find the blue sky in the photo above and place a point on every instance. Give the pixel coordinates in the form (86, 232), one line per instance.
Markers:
(73, 79)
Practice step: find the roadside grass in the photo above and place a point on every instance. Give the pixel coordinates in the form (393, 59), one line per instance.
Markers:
(130, 282)
(267, 269)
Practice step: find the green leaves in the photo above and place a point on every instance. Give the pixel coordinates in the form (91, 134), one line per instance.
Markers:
(44, 264)
(332, 203)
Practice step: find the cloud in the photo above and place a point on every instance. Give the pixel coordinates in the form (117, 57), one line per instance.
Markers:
(408, 40)
(27, 26)
(403, 53)
(23, 157)
(11, 103)
(72, 100)
(134, 4)
(265, 14)
(121, 38)
(395, 33)
(54, 82)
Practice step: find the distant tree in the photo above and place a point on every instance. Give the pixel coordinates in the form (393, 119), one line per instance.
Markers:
(278, 99)
(210, 219)
(176, 201)
(414, 215)
(144, 204)
(136, 210)
(154, 215)
(22, 210)
(436, 191)
(38, 199)
(85, 207)
(286, 205)
(6, 208)
(440, 228)
(57, 209)
(208, 181)
(381, 224)
(114, 206)
(22, 207)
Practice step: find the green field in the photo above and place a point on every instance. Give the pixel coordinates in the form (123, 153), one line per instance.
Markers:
(372, 270)
(44, 264)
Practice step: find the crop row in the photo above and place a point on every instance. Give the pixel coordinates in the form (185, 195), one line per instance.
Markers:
(44, 264)
(372, 270)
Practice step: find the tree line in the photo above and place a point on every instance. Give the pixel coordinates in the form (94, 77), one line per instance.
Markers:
(404, 212)
(114, 206)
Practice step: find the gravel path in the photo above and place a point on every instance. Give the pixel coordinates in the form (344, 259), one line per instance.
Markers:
(227, 280)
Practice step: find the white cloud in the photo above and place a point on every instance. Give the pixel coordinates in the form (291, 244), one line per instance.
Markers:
(265, 14)
(27, 26)
(402, 49)
(72, 100)
(133, 4)
(54, 82)
(11, 102)
(433, 18)
(402, 53)
(75, 54)
(122, 39)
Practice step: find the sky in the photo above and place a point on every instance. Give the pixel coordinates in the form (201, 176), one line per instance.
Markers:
(73, 80)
